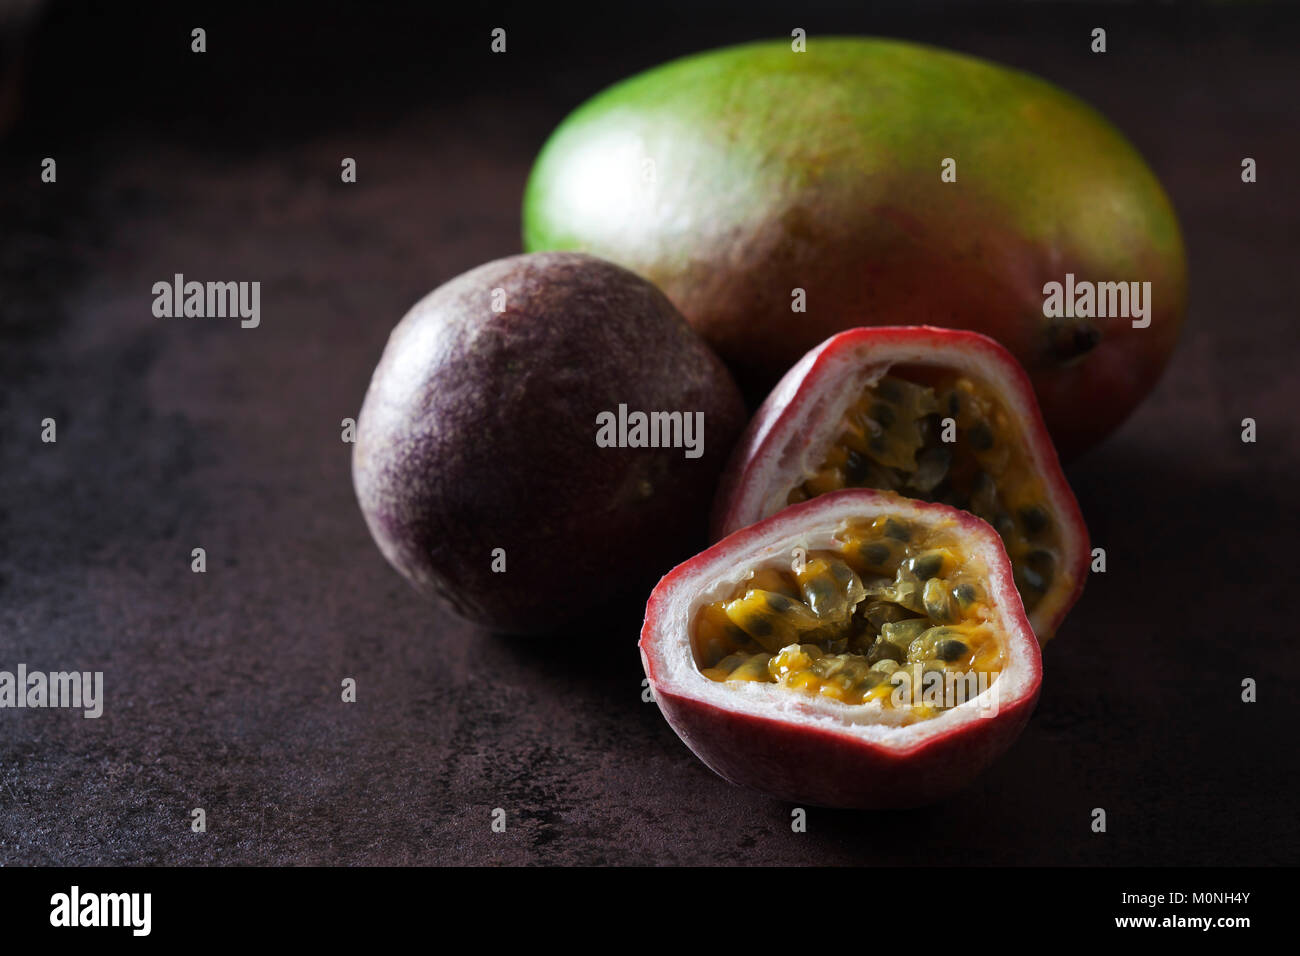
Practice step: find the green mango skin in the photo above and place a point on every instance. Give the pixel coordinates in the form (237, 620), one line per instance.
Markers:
(733, 177)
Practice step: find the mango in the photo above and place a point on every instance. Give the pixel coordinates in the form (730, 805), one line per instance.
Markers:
(778, 197)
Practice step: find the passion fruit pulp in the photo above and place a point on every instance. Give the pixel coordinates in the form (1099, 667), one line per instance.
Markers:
(933, 414)
(482, 464)
(840, 622)
(855, 650)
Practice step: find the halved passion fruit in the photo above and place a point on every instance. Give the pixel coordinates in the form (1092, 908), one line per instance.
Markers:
(857, 650)
(933, 414)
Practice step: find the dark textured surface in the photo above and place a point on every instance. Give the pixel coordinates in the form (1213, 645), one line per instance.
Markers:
(223, 688)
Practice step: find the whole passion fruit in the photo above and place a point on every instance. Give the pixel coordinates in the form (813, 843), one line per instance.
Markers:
(856, 650)
(933, 414)
(541, 438)
(866, 180)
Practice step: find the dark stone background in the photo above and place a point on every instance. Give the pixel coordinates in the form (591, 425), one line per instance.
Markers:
(223, 689)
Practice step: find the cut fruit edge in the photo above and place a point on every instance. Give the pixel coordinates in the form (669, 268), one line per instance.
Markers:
(779, 449)
(669, 659)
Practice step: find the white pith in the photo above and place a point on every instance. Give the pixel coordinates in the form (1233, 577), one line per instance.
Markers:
(793, 445)
(676, 670)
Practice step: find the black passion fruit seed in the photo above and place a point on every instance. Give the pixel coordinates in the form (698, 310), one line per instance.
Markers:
(964, 595)
(881, 557)
(980, 436)
(1034, 520)
(950, 649)
(829, 587)
(897, 530)
(883, 414)
(929, 564)
(857, 468)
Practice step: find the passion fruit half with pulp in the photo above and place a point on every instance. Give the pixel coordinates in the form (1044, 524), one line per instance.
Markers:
(856, 650)
(933, 414)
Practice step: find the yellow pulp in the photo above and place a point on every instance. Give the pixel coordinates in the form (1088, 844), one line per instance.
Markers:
(894, 437)
(841, 623)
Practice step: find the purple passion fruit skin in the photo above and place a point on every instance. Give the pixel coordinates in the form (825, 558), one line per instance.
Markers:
(479, 432)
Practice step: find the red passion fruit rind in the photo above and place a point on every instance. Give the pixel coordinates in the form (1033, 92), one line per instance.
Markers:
(806, 745)
(1012, 474)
